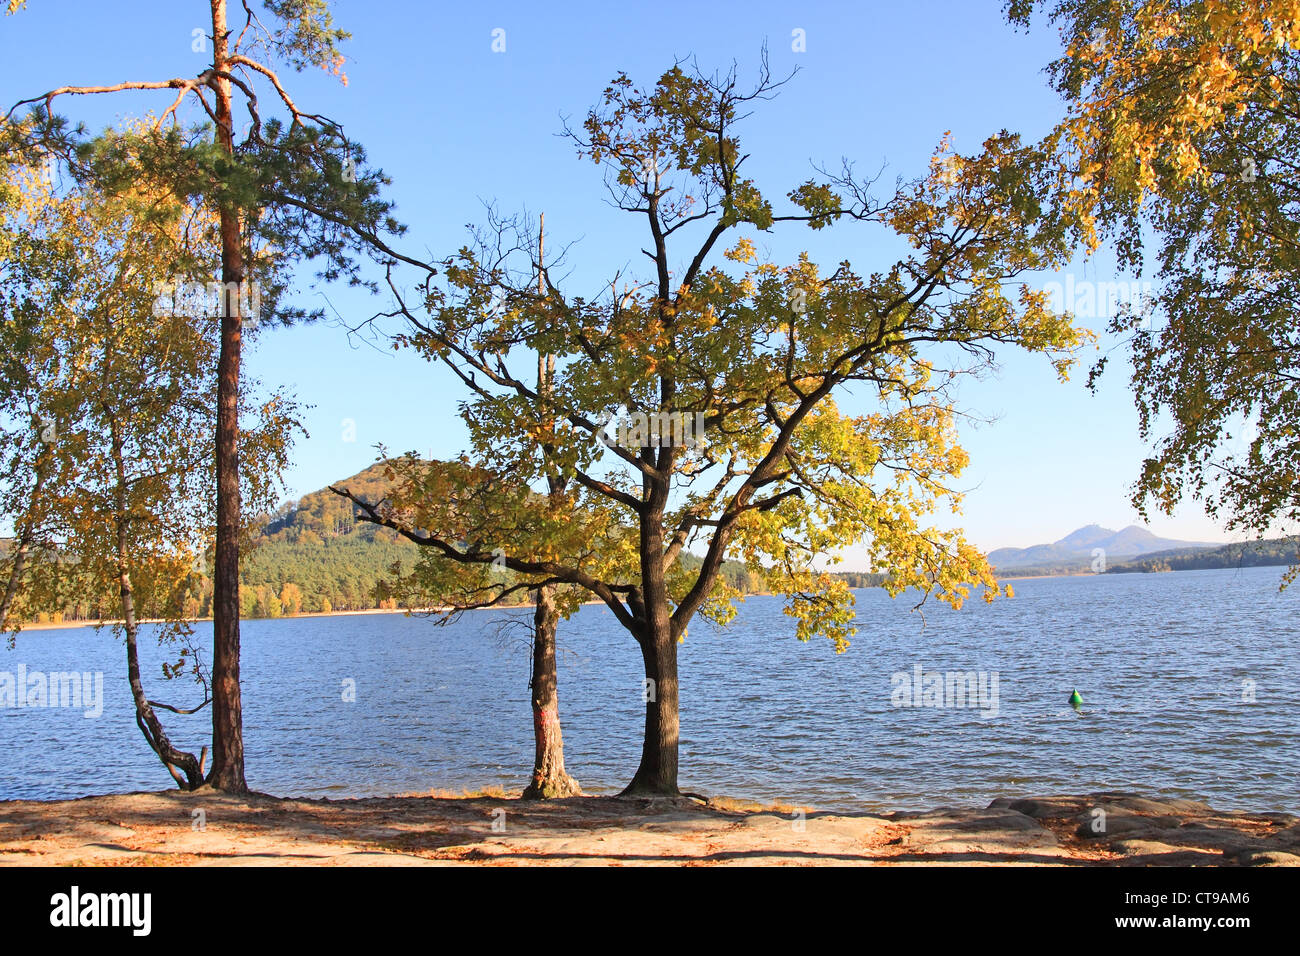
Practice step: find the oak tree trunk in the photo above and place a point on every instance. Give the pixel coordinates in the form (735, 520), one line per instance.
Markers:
(657, 773)
(549, 777)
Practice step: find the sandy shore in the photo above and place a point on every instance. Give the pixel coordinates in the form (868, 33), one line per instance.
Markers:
(204, 828)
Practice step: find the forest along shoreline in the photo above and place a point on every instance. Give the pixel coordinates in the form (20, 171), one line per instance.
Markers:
(207, 827)
(413, 611)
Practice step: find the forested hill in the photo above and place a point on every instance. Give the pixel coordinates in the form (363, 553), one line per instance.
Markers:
(1078, 551)
(323, 514)
(313, 556)
(1279, 551)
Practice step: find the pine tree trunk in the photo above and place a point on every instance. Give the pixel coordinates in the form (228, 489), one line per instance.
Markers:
(549, 777)
(227, 706)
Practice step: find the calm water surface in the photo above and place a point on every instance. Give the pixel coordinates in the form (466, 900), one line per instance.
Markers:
(1166, 665)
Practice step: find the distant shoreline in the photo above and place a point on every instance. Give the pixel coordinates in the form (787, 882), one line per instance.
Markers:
(285, 617)
(528, 605)
(1046, 577)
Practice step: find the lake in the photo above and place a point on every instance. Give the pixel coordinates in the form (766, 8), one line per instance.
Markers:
(1188, 679)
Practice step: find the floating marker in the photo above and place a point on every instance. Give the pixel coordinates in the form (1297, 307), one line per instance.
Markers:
(1075, 699)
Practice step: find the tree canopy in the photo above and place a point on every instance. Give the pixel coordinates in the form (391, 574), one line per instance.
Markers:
(1180, 140)
(110, 423)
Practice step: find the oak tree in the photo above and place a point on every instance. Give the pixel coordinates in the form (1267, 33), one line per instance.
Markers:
(697, 403)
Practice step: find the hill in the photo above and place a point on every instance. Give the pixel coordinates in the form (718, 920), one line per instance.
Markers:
(1076, 552)
(313, 556)
(1275, 552)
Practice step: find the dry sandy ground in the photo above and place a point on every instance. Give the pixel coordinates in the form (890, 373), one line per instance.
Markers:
(174, 828)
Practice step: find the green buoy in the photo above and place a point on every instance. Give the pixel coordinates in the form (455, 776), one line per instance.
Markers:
(1075, 699)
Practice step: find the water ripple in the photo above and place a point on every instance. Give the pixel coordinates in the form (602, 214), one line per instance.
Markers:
(1186, 680)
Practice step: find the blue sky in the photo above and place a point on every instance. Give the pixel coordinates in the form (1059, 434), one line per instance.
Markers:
(456, 124)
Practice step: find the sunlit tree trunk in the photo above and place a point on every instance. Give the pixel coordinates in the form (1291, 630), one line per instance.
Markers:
(549, 777)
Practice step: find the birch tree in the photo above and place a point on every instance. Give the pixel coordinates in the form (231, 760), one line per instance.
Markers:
(118, 381)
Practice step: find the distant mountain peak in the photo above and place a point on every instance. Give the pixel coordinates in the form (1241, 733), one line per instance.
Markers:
(1085, 537)
(1075, 552)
